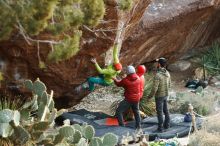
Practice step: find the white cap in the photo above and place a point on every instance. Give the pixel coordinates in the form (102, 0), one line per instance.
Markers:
(130, 70)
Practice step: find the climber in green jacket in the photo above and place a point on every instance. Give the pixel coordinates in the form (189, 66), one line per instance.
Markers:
(106, 74)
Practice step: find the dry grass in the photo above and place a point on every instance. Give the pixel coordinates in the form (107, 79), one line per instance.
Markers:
(204, 103)
(209, 135)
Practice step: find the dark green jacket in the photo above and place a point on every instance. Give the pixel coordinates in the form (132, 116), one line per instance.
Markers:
(161, 84)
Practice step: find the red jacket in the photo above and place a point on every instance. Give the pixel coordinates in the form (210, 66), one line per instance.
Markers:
(131, 84)
(142, 80)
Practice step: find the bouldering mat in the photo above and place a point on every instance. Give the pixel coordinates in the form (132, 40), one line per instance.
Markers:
(104, 123)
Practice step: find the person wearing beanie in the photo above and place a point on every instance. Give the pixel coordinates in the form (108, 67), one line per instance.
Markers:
(160, 90)
(131, 85)
(141, 70)
(105, 75)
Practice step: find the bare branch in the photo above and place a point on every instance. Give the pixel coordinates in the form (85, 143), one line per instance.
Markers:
(29, 39)
(38, 51)
(109, 21)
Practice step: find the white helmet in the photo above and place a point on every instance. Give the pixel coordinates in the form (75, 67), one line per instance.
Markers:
(130, 70)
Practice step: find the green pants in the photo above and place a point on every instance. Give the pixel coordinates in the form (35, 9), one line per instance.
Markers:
(96, 80)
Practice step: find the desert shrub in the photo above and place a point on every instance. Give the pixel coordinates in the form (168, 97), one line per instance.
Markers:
(203, 103)
(8, 101)
(148, 107)
(211, 59)
(209, 135)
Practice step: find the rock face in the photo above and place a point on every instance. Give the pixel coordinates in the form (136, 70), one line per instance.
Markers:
(170, 29)
(180, 65)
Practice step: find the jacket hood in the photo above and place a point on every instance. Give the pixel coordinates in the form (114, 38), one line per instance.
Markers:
(132, 77)
(141, 70)
(164, 72)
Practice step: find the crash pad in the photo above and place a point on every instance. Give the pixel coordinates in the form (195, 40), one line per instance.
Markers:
(104, 123)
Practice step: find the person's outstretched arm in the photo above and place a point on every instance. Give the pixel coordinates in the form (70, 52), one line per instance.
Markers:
(98, 68)
(115, 53)
(118, 83)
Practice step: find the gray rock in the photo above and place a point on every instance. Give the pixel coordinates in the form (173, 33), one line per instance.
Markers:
(217, 84)
(214, 80)
(180, 65)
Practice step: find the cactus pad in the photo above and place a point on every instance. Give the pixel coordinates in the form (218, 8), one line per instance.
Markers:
(39, 87)
(66, 131)
(77, 127)
(82, 142)
(41, 126)
(77, 136)
(89, 132)
(28, 84)
(6, 116)
(110, 139)
(5, 130)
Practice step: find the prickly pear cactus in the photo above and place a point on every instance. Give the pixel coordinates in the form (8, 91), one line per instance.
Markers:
(44, 98)
(77, 136)
(28, 84)
(78, 127)
(110, 139)
(96, 141)
(20, 135)
(41, 126)
(16, 118)
(39, 87)
(66, 131)
(42, 112)
(5, 130)
(6, 116)
(82, 142)
(89, 132)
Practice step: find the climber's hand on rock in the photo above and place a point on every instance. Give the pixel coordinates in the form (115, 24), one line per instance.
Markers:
(93, 60)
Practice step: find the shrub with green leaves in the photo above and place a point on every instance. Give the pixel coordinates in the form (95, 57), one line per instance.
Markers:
(125, 4)
(211, 59)
(8, 101)
(61, 18)
(148, 107)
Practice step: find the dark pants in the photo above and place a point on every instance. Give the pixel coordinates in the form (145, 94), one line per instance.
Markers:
(161, 107)
(124, 105)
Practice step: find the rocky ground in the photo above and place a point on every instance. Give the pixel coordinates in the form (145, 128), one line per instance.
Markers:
(102, 98)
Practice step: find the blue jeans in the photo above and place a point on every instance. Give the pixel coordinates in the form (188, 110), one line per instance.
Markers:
(96, 80)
